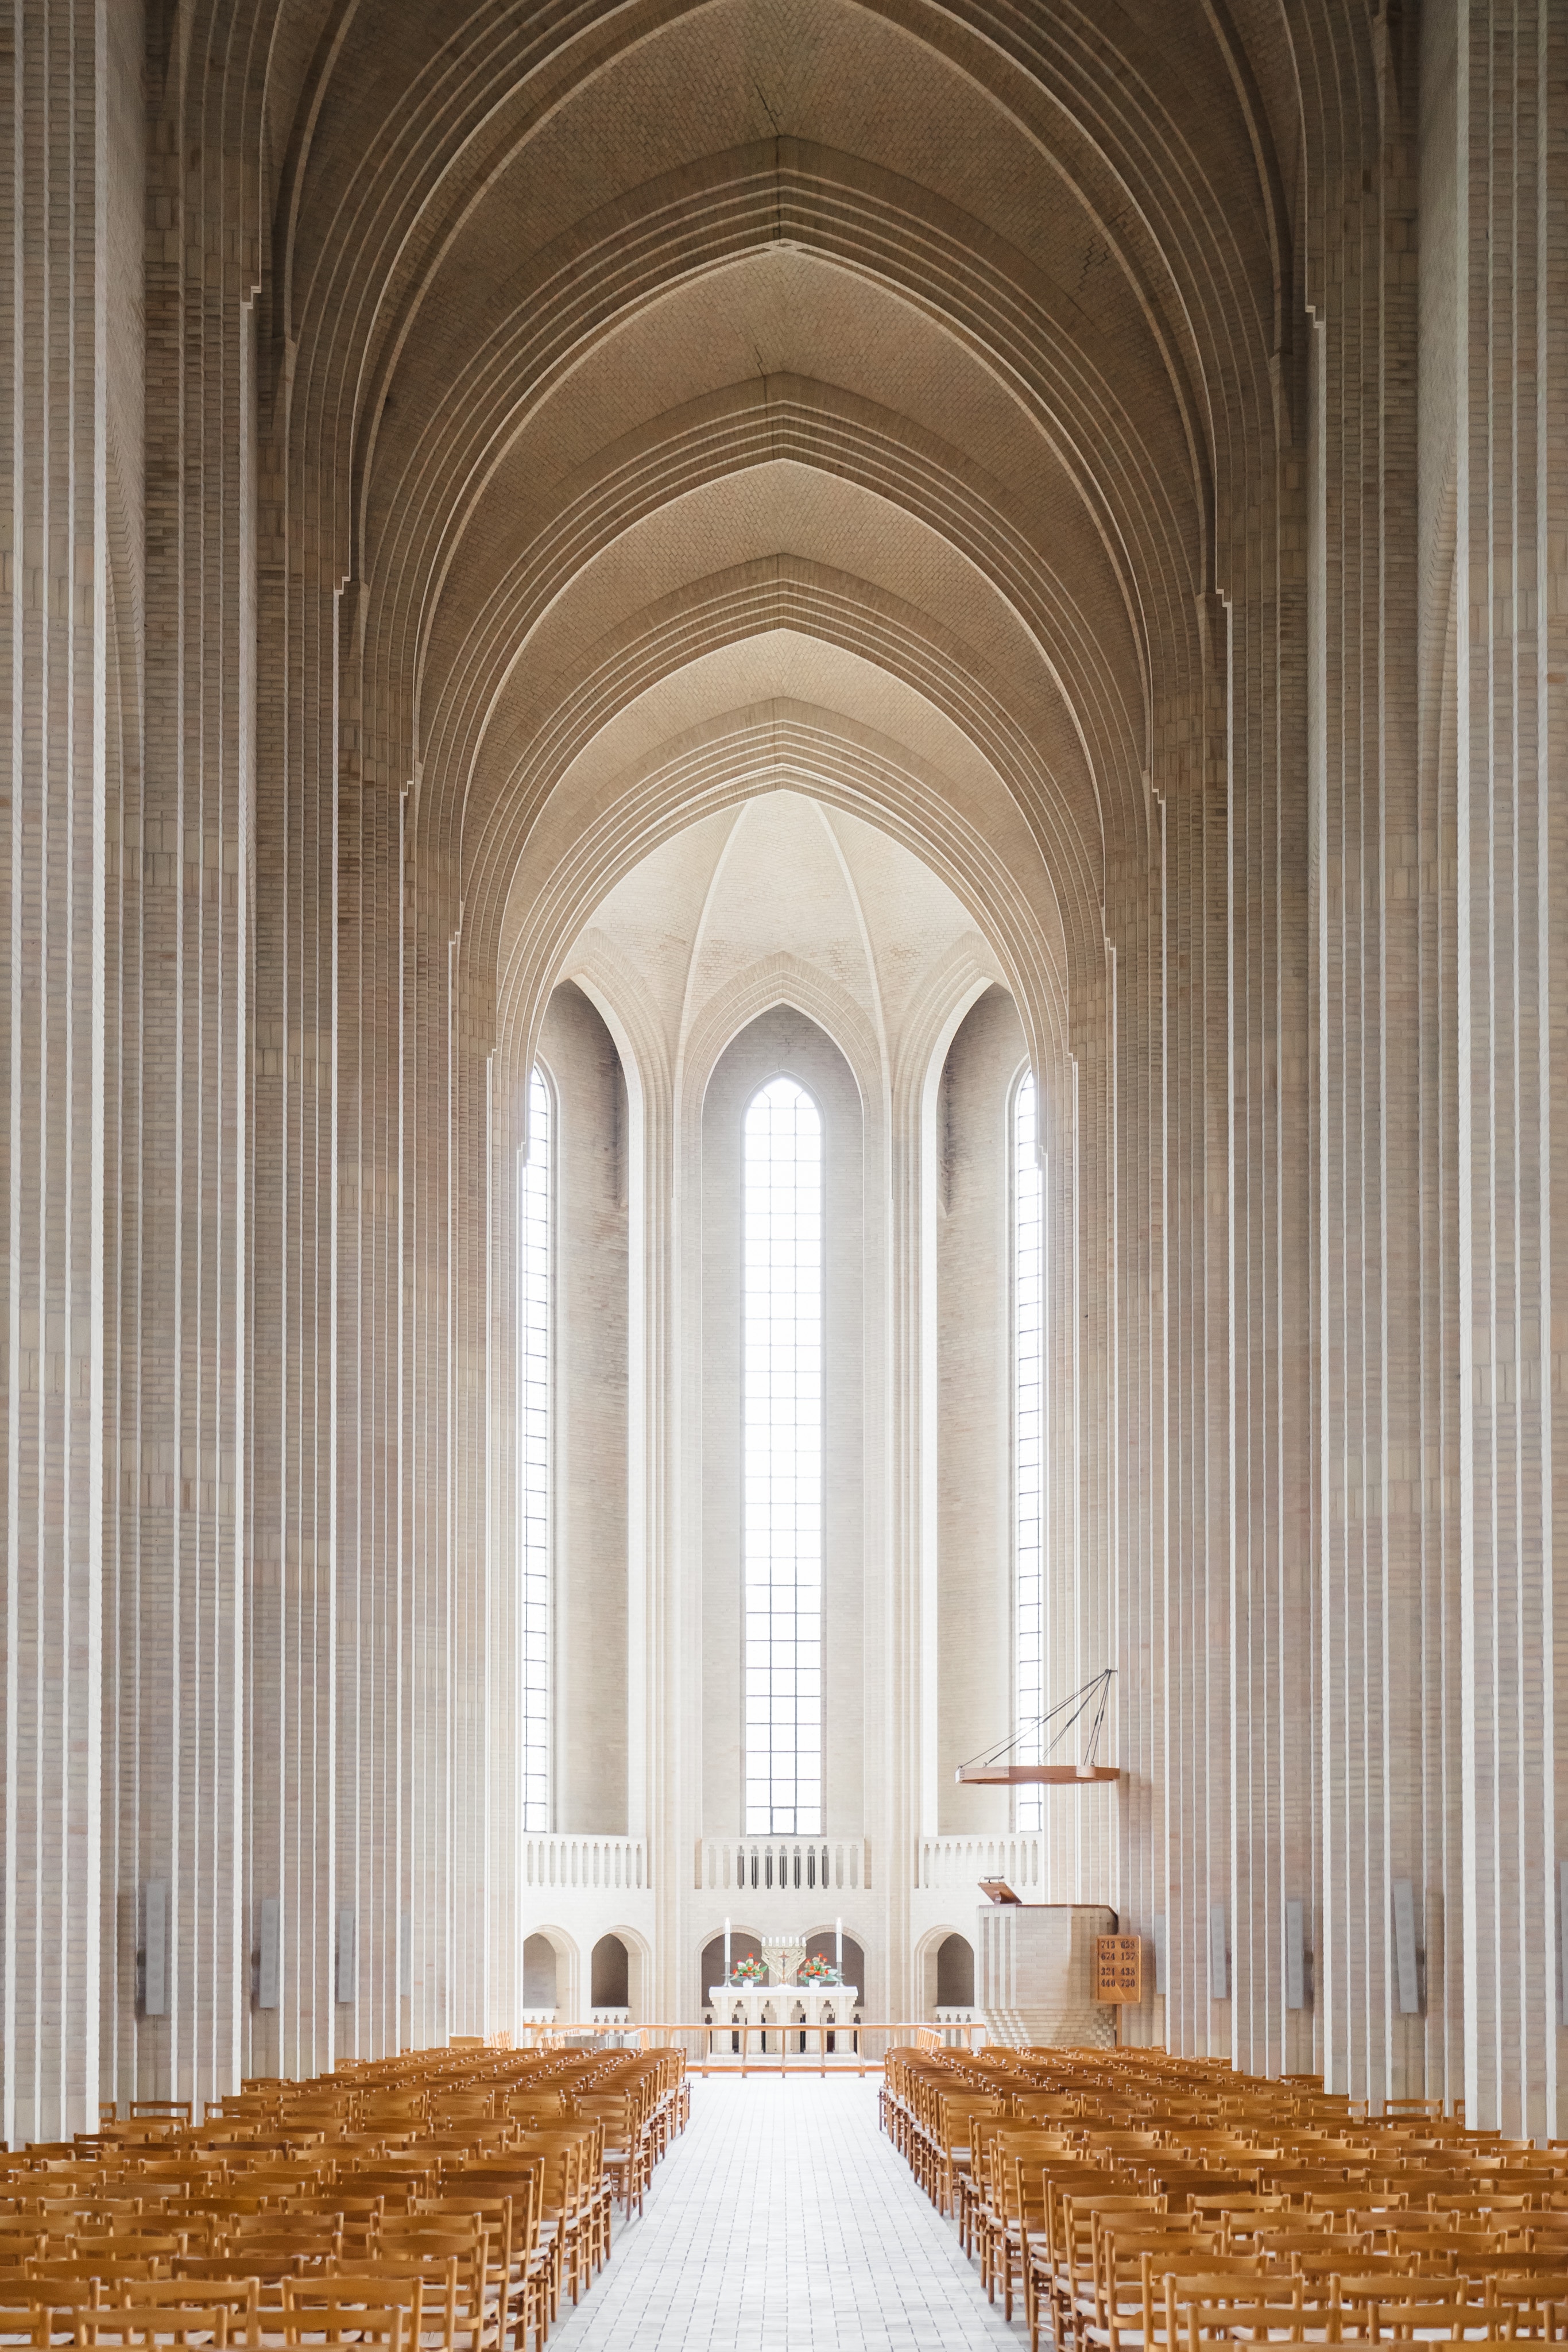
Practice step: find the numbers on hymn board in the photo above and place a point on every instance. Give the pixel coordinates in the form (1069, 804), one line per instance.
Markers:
(1118, 1967)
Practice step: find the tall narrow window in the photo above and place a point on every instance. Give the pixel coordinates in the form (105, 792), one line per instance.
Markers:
(536, 1284)
(781, 1409)
(1029, 1437)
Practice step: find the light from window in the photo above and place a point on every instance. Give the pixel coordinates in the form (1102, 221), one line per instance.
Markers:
(781, 1409)
(535, 1278)
(1029, 1439)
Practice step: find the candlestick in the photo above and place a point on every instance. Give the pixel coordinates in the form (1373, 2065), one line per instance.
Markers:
(727, 1951)
(838, 1947)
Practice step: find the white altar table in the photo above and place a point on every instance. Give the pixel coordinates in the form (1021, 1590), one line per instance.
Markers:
(765, 2009)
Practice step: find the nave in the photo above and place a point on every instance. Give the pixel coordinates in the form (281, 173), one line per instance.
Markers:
(777, 874)
(783, 2216)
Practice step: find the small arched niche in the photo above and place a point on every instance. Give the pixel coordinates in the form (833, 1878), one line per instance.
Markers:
(610, 1975)
(955, 1973)
(540, 1977)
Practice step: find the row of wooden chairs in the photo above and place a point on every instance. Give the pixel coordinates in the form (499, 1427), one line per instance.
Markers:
(1136, 2203)
(442, 2201)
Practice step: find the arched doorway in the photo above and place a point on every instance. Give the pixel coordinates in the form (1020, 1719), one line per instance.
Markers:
(540, 1977)
(610, 1975)
(955, 1973)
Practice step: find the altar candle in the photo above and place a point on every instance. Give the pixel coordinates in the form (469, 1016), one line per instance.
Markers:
(838, 1947)
(727, 1951)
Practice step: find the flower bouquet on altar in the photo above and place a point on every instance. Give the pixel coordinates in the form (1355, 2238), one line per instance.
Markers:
(818, 1969)
(748, 1971)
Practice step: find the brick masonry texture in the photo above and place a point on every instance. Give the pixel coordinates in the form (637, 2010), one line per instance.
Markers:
(1116, 457)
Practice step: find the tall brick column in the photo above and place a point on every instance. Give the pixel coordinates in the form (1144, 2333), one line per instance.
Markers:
(70, 372)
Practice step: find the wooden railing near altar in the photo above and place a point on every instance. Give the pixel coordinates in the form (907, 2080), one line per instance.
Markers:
(736, 2048)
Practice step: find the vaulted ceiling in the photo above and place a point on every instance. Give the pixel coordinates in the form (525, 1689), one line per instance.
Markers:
(698, 399)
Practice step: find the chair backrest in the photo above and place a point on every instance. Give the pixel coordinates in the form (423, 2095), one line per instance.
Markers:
(25, 2323)
(465, 2244)
(68, 2282)
(497, 2214)
(237, 2296)
(148, 2322)
(348, 2317)
(112, 2257)
(428, 2303)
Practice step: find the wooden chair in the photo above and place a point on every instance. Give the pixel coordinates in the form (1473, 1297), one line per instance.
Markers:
(1004, 2199)
(415, 2243)
(429, 2304)
(949, 2137)
(1126, 2311)
(531, 2257)
(1205, 2278)
(1533, 2304)
(582, 2184)
(314, 2317)
(508, 2223)
(1074, 2239)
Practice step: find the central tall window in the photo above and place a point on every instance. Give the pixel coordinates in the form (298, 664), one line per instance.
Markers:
(536, 1287)
(781, 1420)
(1029, 1439)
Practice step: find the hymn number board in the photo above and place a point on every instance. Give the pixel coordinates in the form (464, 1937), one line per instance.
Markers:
(1118, 1967)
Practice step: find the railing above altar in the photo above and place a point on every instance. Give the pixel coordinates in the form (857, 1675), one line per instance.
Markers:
(960, 1863)
(782, 1864)
(568, 1861)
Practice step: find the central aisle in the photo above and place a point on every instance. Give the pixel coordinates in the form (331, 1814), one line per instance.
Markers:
(783, 2217)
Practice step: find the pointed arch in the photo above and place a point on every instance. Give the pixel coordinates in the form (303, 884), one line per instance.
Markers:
(781, 1456)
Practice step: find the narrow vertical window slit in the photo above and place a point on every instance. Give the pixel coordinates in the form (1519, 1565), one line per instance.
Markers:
(535, 1283)
(1029, 1438)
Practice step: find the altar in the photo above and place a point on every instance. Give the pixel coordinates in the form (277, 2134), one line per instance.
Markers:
(767, 2009)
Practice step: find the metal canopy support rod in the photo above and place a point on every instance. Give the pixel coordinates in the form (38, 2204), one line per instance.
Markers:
(993, 1771)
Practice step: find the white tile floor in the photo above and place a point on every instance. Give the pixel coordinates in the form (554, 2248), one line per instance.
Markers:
(783, 2218)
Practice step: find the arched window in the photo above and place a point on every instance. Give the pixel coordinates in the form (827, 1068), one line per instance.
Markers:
(535, 1300)
(1028, 1436)
(781, 1445)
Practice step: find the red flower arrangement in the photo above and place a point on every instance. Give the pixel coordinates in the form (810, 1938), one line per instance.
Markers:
(818, 1969)
(748, 1972)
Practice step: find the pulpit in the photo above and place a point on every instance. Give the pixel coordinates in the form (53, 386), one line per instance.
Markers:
(1034, 1978)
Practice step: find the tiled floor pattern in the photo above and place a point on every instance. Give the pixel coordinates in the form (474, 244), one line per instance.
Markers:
(783, 2218)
